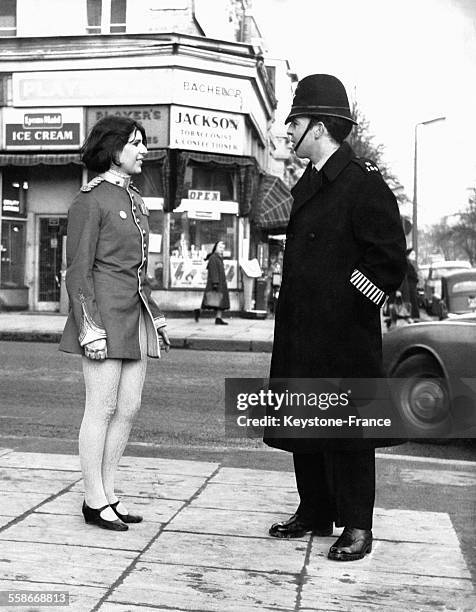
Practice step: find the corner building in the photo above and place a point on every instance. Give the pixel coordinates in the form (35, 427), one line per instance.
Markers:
(206, 104)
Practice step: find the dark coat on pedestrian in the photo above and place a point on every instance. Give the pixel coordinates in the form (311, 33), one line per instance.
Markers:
(216, 281)
(345, 250)
(106, 277)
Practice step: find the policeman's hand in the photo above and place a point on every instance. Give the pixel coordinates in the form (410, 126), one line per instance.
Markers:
(96, 350)
(164, 341)
(398, 293)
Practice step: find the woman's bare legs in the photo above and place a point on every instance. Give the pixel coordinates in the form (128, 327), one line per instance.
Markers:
(128, 403)
(102, 383)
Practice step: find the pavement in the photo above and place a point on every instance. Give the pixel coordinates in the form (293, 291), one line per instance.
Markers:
(239, 335)
(203, 545)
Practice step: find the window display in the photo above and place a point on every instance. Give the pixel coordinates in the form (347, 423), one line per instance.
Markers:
(192, 239)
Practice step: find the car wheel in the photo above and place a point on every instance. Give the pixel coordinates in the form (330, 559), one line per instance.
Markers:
(422, 397)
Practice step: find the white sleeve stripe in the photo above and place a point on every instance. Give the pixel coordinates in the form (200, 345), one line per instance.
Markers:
(367, 287)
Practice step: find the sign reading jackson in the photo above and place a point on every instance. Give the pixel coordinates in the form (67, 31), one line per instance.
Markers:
(199, 129)
(58, 128)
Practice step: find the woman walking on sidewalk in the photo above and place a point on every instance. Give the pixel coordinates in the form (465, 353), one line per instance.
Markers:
(216, 296)
(113, 322)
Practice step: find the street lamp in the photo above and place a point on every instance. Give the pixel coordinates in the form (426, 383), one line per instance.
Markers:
(415, 186)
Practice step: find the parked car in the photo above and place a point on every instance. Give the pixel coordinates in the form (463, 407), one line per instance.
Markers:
(432, 284)
(458, 291)
(433, 365)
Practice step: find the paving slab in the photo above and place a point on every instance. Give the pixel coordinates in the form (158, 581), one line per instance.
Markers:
(400, 558)
(16, 503)
(168, 466)
(139, 484)
(80, 565)
(81, 598)
(248, 498)
(354, 589)
(228, 552)
(195, 588)
(258, 478)
(444, 478)
(246, 523)
(43, 461)
(5, 451)
(35, 481)
(412, 526)
(72, 530)
(152, 509)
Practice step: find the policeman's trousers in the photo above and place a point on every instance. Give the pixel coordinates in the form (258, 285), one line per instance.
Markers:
(336, 487)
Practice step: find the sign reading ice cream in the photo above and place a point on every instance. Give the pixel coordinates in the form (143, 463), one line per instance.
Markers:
(199, 129)
(40, 129)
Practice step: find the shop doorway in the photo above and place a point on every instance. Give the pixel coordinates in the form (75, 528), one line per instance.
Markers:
(52, 231)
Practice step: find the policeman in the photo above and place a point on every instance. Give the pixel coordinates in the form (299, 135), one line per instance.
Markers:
(345, 251)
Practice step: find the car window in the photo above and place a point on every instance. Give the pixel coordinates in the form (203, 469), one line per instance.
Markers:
(468, 286)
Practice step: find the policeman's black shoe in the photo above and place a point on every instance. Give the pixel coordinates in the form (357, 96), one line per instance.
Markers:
(92, 516)
(126, 518)
(295, 528)
(353, 544)
(196, 314)
(220, 321)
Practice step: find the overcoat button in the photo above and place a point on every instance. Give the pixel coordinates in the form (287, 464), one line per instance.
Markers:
(312, 235)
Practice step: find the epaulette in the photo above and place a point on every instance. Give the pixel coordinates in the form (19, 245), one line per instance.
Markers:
(366, 164)
(134, 187)
(93, 183)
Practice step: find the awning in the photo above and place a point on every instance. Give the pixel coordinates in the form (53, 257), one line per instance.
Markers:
(48, 159)
(273, 204)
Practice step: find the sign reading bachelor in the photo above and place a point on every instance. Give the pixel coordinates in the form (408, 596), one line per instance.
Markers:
(59, 128)
(205, 130)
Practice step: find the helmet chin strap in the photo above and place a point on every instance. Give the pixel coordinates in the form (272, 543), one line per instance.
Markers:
(303, 136)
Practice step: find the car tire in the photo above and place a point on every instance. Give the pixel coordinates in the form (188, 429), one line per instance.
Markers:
(422, 397)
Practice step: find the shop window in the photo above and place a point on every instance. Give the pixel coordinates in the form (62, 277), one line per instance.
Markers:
(117, 19)
(8, 17)
(14, 192)
(155, 267)
(149, 181)
(208, 178)
(12, 254)
(192, 239)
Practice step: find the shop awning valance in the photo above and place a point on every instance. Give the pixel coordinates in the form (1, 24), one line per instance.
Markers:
(273, 204)
(247, 172)
(35, 159)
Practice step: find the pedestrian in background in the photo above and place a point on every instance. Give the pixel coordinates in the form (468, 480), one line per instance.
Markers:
(215, 296)
(113, 321)
(345, 250)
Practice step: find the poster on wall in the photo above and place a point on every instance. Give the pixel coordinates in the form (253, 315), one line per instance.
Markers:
(192, 273)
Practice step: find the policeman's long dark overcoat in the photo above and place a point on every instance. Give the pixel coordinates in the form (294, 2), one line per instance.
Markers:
(345, 250)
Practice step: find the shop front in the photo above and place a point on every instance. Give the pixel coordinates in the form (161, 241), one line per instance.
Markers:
(206, 137)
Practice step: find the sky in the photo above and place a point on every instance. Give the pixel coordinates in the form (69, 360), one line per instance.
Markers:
(405, 61)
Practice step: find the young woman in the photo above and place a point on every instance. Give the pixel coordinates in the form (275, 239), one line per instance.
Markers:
(216, 296)
(113, 322)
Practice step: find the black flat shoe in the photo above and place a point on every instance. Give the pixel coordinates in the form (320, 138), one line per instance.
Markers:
(196, 314)
(353, 544)
(126, 518)
(295, 528)
(220, 321)
(92, 516)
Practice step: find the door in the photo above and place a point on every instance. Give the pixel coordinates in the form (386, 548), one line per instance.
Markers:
(51, 233)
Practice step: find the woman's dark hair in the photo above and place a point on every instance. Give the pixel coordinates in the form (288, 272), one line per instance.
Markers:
(214, 249)
(106, 140)
(337, 127)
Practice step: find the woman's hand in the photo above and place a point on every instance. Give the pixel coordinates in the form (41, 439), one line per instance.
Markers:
(164, 339)
(96, 349)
